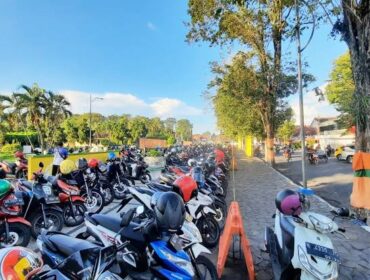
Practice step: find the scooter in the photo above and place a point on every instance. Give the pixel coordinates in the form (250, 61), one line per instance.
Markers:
(299, 246)
(139, 171)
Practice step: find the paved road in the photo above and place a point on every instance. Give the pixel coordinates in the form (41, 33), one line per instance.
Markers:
(332, 181)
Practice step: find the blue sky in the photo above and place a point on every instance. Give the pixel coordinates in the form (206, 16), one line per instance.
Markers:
(133, 53)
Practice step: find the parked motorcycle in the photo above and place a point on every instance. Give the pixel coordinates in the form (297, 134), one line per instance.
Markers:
(41, 205)
(14, 229)
(299, 245)
(139, 171)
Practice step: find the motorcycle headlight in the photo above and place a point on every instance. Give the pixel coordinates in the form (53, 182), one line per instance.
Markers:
(72, 192)
(184, 264)
(303, 259)
(320, 226)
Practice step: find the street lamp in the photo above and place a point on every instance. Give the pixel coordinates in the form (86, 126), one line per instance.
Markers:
(91, 101)
(300, 82)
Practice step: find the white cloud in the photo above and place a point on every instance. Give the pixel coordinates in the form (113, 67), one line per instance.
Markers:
(126, 103)
(312, 107)
(151, 26)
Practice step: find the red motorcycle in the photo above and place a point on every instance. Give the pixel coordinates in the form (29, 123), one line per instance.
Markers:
(14, 230)
(71, 201)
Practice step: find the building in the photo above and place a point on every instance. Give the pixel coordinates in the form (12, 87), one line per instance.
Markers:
(329, 133)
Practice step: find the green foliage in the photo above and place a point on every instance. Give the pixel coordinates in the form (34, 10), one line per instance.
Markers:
(21, 137)
(153, 153)
(341, 88)
(286, 130)
(11, 148)
(171, 140)
(184, 130)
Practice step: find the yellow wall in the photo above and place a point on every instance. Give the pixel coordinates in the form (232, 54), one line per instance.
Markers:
(33, 162)
(249, 146)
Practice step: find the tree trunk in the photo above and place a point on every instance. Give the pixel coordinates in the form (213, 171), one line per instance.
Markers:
(357, 35)
(269, 144)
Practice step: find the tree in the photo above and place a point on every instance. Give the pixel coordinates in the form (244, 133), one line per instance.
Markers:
(354, 27)
(286, 130)
(184, 130)
(138, 127)
(259, 26)
(170, 124)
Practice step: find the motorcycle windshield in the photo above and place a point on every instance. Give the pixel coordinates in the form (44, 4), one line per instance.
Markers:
(87, 264)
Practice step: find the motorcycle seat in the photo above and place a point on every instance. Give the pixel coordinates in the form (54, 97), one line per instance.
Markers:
(26, 183)
(65, 244)
(111, 223)
(287, 226)
(161, 187)
(145, 191)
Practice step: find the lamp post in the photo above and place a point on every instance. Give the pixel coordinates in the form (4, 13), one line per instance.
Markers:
(90, 115)
(300, 81)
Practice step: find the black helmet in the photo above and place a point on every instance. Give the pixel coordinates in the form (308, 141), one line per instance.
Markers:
(169, 211)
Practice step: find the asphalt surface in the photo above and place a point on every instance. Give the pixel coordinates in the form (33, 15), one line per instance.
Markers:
(332, 181)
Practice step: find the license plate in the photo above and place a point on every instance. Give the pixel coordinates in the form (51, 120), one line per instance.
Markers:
(52, 199)
(176, 242)
(47, 190)
(322, 252)
(13, 202)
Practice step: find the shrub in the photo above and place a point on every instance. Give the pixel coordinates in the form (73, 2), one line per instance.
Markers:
(11, 148)
(153, 153)
(21, 137)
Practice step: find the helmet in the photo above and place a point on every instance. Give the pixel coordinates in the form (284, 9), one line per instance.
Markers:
(18, 154)
(19, 263)
(111, 156)
(187, 186)
(82, 163)
(192, 162)
(67, 166)
(93, 163)
(169, 211)
(63, 152)
(288, 202)
(5, 187)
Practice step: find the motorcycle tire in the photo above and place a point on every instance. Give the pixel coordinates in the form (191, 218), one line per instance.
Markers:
(221, 213)
(95, 202)
(119, 189)
(108, 194)
(206, 268)
(19, 234)
(210, 231)
(79, 208)
(54, 217)
(145, 178)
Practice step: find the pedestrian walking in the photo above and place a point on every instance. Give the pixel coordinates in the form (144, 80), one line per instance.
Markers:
(60, 154)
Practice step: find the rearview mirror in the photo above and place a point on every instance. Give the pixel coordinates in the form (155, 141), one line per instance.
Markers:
(139, 210)
(41, 164)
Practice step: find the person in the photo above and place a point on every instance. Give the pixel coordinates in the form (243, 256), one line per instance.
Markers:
(328, 150)
(60, 154)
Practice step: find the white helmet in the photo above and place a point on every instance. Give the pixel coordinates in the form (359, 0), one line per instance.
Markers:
(192, 162)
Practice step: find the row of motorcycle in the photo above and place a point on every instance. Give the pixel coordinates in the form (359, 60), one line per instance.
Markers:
(162, 230)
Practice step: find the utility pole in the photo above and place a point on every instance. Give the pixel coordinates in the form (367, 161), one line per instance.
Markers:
(300, 92)
(90, 116)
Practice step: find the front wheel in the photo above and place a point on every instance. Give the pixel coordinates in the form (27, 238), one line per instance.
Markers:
(339, 157)
(205, 269)
(19, 235)
(119, 189)
(221, 213)
(108, 194)
(210, 231)
(54, 221)
(73, 213)
(349, 159)
(94, 201)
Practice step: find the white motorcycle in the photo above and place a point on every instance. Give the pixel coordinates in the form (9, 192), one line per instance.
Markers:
(300, 248)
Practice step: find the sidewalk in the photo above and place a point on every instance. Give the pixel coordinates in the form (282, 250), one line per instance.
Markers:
(256, 187)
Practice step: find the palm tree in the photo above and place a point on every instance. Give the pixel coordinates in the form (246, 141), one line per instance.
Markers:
(31, 105)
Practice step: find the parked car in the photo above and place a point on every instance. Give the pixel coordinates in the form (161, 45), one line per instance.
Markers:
(345, 153)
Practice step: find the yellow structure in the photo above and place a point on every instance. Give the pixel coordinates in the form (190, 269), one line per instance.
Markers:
(245, 143)
(47, 160)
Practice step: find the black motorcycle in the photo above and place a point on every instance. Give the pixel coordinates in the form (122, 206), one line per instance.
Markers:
(40, 205)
